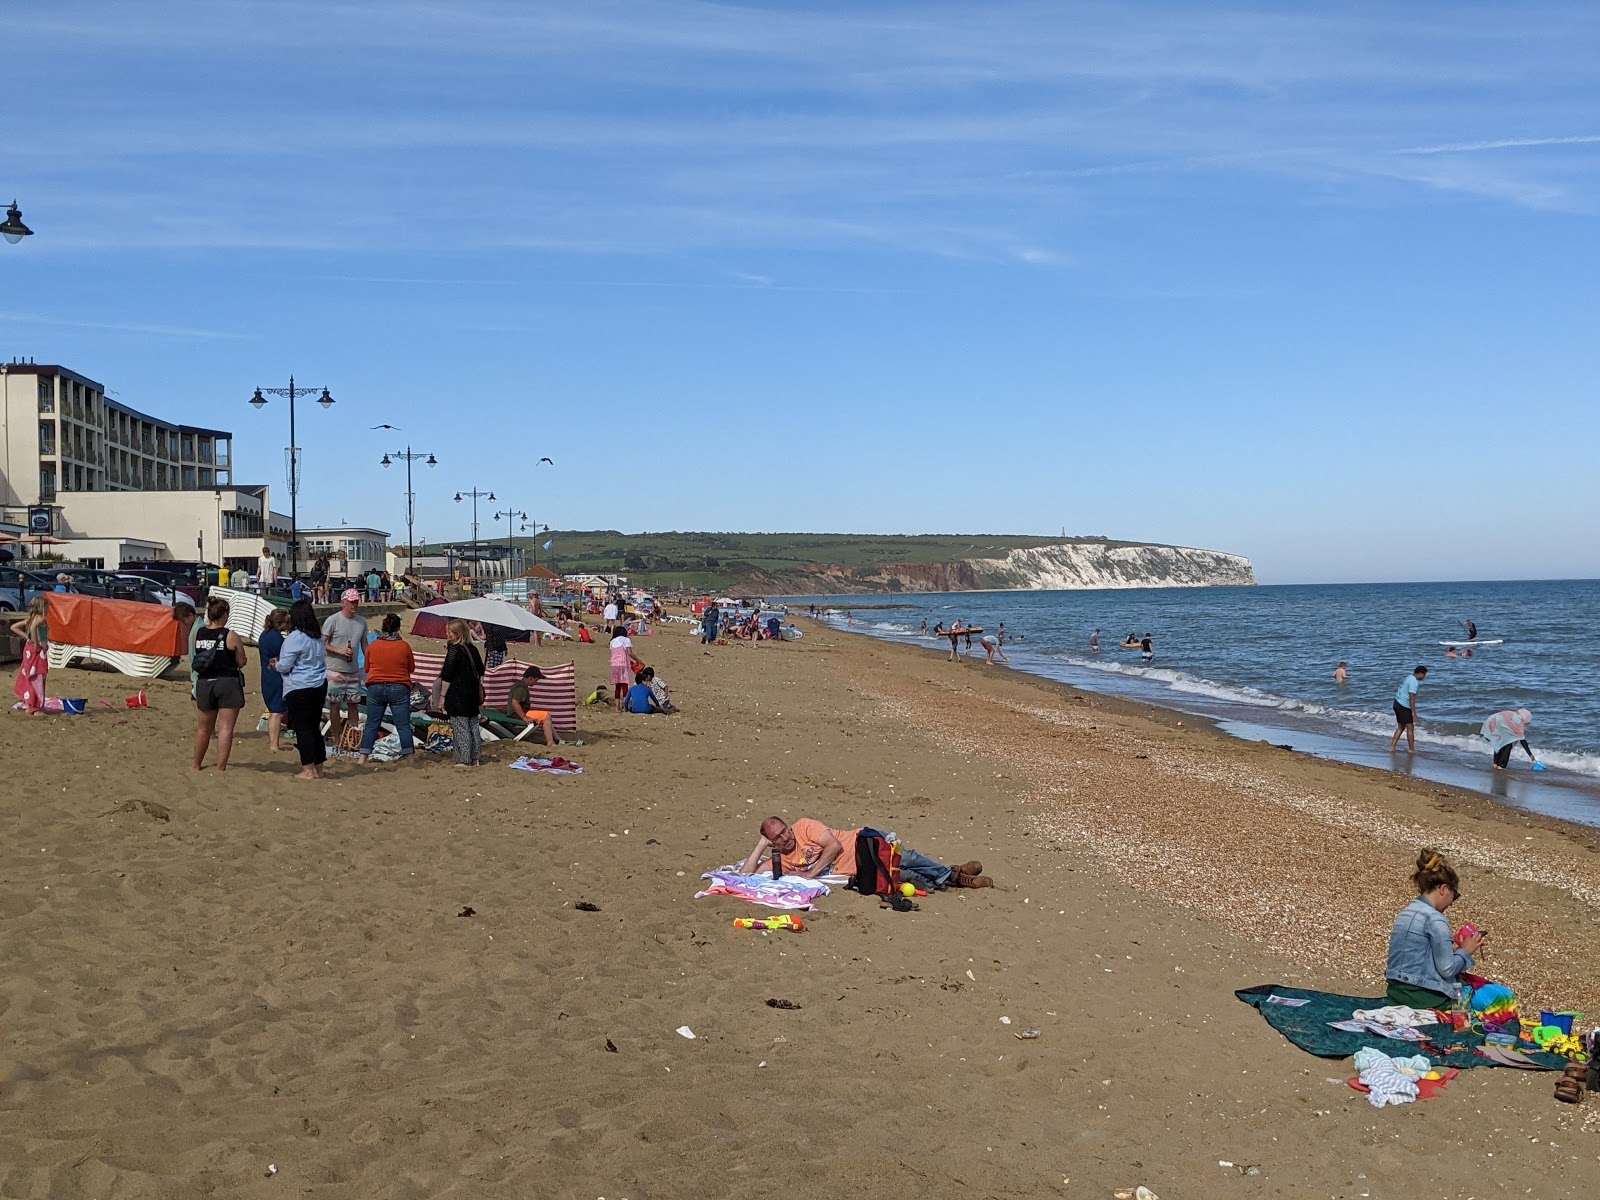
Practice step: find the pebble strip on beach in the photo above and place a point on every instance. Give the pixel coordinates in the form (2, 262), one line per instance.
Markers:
(1313, 874)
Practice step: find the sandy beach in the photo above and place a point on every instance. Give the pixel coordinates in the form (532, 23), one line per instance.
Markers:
(207, 976)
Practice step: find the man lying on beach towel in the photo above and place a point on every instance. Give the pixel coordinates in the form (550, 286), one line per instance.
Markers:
(808, 848)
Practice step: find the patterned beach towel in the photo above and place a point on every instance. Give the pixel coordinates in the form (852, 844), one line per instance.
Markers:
(791, 891)
(550, 766)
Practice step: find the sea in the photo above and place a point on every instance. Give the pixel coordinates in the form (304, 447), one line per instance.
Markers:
(1259, 662)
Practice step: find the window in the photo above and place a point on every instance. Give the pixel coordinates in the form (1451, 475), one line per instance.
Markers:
(205, 449)
(224, 451)
(172, 444)
(205, 477)
(188, 446)
(77, 479)
(47, 437)
(98, 564)
(188, 477)
(47, 394)
(161, 476)
(47, 483)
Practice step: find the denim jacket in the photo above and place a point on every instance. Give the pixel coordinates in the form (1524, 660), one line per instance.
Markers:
(1420, 950)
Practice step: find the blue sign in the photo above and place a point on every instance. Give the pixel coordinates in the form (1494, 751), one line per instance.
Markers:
(41, 519)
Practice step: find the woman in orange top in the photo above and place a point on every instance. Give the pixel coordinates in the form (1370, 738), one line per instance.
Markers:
(390, 665)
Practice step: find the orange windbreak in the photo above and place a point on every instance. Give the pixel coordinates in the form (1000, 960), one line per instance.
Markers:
(124, 625)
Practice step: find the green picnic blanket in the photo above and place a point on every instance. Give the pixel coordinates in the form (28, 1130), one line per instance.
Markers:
(1306, 1025)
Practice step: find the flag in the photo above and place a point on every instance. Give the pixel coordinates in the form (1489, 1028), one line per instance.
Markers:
(550, 543)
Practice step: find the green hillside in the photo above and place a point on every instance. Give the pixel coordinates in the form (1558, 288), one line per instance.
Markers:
(722, 561)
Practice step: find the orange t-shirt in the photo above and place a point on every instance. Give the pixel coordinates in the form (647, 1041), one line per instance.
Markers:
(389, 660)
(808, 835)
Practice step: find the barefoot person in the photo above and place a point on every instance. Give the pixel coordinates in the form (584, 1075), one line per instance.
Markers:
(990, 648)
(302, 661)
(1507, 730)
(34, 630)
(1340, 674)
(810, 849)
(522, 706)
(1424, 964)
(269, 643)
(219, 661)
(1405, 710)
(459, 694)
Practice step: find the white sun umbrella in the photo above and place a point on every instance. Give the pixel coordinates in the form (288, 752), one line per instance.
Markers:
(494, 612)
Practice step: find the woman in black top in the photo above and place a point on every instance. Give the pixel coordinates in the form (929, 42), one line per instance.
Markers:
(219, 683)
(461, 694)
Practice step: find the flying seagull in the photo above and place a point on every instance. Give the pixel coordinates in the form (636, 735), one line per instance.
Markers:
(396, 428)
(545, 460)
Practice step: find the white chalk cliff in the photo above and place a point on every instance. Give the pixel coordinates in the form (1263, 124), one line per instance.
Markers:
(1086, 565)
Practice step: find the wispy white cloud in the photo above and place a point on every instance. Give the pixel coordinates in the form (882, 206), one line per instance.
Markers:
(139, 327)
(1525, 143)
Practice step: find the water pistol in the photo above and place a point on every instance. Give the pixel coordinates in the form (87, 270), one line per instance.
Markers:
(772, 924)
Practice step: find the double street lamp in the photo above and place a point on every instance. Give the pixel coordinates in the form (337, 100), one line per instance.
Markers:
(512, 516)
(12, 228)
(291, 456)
(476, 496)
(410, 456)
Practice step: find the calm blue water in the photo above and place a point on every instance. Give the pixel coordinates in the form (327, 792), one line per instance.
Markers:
(1263, 658)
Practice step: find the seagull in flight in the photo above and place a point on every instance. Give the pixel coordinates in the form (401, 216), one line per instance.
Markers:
(396, 428)
(545, 460)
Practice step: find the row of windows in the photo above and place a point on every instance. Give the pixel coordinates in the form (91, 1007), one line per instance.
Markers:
(358, 548)
(75, 477)
(85, 405)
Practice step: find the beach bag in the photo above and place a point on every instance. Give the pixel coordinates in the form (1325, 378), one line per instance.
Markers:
(208, 650)
(877, 864)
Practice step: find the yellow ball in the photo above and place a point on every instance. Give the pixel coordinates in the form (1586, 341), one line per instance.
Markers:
(908, 889)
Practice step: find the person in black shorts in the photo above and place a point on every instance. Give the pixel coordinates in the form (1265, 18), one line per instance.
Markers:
(218, 663)
(1405, 710)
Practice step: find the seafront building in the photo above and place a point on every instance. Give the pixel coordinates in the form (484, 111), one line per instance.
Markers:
(87, 478)
(351, 551)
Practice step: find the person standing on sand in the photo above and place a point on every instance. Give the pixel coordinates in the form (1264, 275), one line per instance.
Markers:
(269, 643)
(956, 631)
(390, 666)
(345, 636)
(1405, 710)
(1340, 675)
(302, 661)
(460, 694)
(622, 665)
(219, 662)
(34, 630)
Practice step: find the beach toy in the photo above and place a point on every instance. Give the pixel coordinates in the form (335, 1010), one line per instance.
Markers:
(771, 924)
(908, 889)
(74, 707)
(1562, 1021)
(138, 700)
(1539, 766)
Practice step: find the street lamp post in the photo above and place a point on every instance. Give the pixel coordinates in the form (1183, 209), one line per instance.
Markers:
(12, 228)
(258, 401)
(410, 456)
(512, 516)
(476, 496)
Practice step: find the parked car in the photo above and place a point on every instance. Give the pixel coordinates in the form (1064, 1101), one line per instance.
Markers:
(140, 588)
(19, 588)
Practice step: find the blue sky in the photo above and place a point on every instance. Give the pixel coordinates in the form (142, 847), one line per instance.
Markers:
(1313, 286)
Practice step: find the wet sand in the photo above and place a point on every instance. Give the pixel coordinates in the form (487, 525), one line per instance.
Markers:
(279, 974)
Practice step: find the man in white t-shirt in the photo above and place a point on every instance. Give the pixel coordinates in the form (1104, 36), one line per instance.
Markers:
(266, 571)
(610, 614)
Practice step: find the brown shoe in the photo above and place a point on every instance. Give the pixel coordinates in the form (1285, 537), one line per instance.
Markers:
(963, 880)
(969, 868)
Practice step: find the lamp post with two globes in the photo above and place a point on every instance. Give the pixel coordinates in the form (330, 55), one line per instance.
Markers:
(476, 496)
(410, 456)
(292, 456)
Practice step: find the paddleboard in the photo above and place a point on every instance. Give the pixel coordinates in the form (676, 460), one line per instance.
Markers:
(1479, 642)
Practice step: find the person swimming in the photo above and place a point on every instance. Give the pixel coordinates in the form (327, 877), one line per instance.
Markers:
(1340, 675)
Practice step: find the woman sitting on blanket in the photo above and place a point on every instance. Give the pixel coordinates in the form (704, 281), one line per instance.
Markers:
(1424, 965)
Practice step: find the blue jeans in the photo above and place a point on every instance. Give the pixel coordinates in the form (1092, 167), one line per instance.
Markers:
(923, 871)
(396, 699)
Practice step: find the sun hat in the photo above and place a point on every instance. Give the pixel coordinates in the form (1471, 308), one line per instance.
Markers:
(350, 594)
